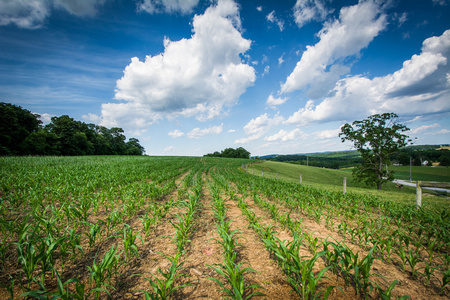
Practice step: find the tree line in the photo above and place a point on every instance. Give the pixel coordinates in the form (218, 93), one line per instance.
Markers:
(22, 133)
(417, 156)
(317, 161)
(230, 153)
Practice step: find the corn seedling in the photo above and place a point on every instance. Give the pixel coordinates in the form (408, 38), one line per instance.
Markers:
(129, 240)
(412, 259)
(234, 276)
(163, 288)
(100, 273)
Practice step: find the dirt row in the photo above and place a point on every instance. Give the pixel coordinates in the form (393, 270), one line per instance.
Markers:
(387, 272)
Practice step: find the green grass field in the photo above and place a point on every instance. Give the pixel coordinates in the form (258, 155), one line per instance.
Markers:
(333, 180)
(440, 174)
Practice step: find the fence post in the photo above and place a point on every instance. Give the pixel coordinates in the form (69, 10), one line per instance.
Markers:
(419, 194)
(345, 185)
(300, 178)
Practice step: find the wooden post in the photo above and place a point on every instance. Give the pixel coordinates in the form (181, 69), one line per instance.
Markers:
(300, 178)
(345, 185)
(419, 194)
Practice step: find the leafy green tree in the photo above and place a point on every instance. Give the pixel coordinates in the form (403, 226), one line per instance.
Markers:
(134, 148)
(231, 153)
(376, 138)
(41, 143)
(16, 124)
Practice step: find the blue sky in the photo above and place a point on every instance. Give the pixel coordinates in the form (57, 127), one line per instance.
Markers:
(193, 77)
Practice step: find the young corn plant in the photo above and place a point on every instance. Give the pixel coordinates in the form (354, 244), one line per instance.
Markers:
(164, 288)
(28, 256)
(428, 270)
(412, 258)
(147, 222)
(303, 280)
(46, 249)
(129, 240)
(100, 273)
(234, 276)
(445, 280)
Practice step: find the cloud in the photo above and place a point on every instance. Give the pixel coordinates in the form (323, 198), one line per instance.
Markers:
(176, 133)
(200, 76)
(167, 6)
(169, 149)
(31, 14)
(442, 131)
(306, 11)
(326, 134)
(420, 87)
(257, 127)
(231, 131)
(80, 8)
(280, 60)
(273, 19)
(401, 19)
(46, 118)
(285, 136)
(423, 128)
(266, 70)
(440, 2)
(197, 133)
(272, 101)
(322, 65)
(259, 8)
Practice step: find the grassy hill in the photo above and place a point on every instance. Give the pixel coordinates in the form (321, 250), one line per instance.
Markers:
(333, 180)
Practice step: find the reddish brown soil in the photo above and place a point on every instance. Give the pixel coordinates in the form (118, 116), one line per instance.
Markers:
(203, 251)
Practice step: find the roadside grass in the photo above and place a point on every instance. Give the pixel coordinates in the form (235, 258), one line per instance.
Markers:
(440, 174)
(333, 180)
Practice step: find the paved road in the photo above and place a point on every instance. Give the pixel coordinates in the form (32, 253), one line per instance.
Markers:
(407, 183)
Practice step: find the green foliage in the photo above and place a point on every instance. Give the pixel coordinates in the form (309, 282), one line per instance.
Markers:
(231, 153)
(234, 276)
(163, 288)
(376, 138)
(16, 125)
(21, 133)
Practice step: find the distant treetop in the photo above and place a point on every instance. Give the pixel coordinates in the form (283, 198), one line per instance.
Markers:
(231, 153)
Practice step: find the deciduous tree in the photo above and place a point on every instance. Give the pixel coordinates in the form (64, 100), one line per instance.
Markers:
(376, 138)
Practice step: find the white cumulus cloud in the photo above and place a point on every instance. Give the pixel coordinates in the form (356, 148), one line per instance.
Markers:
(197, 133)
(200, 76)
(285, 136)
(272, 101)
(321, 65)
(257, 127)
(176, 133)
(326, 134)
(420, 87)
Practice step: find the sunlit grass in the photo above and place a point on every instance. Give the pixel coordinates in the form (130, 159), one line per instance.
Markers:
(332, 180)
